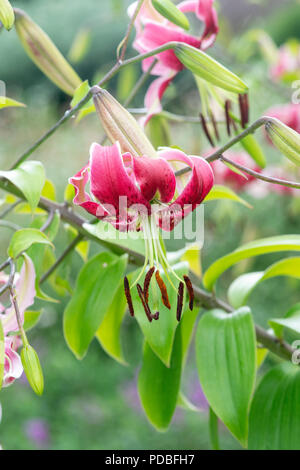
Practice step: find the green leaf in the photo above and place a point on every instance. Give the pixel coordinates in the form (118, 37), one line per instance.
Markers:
(170, 11)
(223, 192)
(291, 320)
(258, 247)
(108, 333)
(2, 354)
(158, 131)
(226, 360)
(88, 108)
(7, 16)
(214, 429)
(25, 238)
(96, 287)
(9, 103)
(242, 287)
(29, 178)
(159, 334)
(158, 385)
(184, 403)
(275, 411)
(253, 148)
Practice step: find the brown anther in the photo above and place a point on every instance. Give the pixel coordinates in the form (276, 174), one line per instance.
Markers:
(215, 125)
(145, 305)
(163, 290)
(180, 301)
(147, 281)
(206, 131)
(228, 117)
(190, 290)
(155, 316)
(244, 110)
(128, 296)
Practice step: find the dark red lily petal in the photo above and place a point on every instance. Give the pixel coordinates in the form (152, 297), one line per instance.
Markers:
(155, 175)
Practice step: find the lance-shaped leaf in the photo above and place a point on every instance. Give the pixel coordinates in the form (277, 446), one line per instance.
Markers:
(255, 151)
(158, 385)
(291, 321)
(209, 69)
(7, 16)
(160, 334)
(96, 287)
(258, 247)
(80, 46)
(8, 102)
(226, 360)
(275, 411)
(29, 178)
(223, 192)
(45, 54)
(242, 287)
(170, 11)
(24, 239)
(109, 331)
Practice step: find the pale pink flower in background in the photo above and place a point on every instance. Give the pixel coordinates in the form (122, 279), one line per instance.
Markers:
(287, 65)
(25, 292)
(153, 31)
(289, 114)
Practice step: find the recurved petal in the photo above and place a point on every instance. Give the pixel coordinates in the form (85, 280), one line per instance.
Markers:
(155, 174)
(154, 95)
(82, 198)
(12, 363)
(207, 13)
(195, 191)
(110, 179)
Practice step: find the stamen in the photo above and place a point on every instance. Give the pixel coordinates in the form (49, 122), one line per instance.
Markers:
(163, 290)
(147, 283)
(190, 290)
(244, 110)
(128, 296)
(227, 115)
(215, 126)
(206, 131)
(155, 316)
(180, 301)
(145, 305)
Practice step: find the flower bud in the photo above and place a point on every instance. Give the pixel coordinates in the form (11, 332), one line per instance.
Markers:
(284, 138)
(7, 16)
(45, 54)
(170, 11)
(209, 69)
(120, 126)
(32, 368)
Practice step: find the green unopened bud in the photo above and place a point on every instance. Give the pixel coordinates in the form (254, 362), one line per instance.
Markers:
(32, 368)
(284, 138)
(45, 54)
(120, 126)
(170, 11)
(209, 69)
(7, 16)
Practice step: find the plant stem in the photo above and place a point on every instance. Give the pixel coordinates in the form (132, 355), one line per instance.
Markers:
(59, 260)
(125, 41)
(268, 179)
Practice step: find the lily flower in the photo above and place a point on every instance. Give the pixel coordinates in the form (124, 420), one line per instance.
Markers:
(141, 193)
(25, 293)
(153, 30)
(287, 66)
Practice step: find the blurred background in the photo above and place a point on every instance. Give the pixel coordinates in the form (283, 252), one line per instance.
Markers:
(93, 404)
